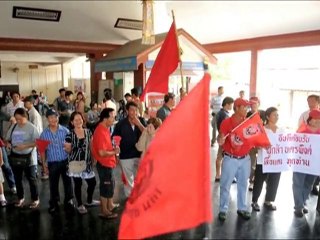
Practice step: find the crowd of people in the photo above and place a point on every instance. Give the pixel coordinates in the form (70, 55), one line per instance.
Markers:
(243, 165)
(81, 143)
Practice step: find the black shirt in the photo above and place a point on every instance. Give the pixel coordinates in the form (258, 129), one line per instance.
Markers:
(129, 138)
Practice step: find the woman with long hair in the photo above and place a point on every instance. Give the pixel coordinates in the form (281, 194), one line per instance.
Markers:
(80, 103)
(105, 154)
(272, 179)
(80, 162)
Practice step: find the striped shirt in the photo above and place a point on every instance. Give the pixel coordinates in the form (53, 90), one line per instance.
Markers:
(55, 151)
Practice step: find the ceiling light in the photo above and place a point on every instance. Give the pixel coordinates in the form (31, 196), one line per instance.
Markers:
(36, 14)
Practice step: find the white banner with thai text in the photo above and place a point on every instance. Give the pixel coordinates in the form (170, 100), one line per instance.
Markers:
(298, 152)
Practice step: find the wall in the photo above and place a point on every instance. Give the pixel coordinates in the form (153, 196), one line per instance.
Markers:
(47, 79)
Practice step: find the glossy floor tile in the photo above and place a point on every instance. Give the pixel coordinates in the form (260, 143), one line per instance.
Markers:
(280, 224)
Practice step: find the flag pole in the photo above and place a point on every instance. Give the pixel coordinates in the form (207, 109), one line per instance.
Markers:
(180, 62)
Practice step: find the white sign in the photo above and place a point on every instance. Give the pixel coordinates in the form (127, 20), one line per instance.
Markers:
(298, 152)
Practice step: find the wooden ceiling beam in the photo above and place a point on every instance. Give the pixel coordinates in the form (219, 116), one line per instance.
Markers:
(299, 39)
(15, 44)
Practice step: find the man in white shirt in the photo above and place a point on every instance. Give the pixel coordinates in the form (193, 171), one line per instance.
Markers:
(34, 116)
(215, 105)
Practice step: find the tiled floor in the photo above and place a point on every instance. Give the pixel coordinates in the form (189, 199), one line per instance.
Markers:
(280, 224)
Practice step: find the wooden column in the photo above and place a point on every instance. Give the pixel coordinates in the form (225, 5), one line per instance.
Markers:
(94, 77)
(140, 77)
(253, 73)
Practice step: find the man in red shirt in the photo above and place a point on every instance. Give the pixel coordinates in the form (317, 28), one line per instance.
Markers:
(236, 161)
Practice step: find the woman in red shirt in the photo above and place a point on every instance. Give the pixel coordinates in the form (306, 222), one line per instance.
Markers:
(105, 155)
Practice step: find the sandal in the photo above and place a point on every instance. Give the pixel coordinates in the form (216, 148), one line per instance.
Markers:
(115, 207)
(19, 203)
(34, 204)
(108, 216)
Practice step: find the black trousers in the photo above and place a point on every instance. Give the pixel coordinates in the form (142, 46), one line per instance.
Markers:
(31, 174)
(272, 180)
(57, 169)
(77, 189)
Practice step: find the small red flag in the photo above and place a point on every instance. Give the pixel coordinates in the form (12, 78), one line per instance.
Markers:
(252, 132)
(42, 145)
(172, 188)
(165, 63)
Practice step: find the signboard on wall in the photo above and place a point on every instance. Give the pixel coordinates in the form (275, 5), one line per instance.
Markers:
(79, 85)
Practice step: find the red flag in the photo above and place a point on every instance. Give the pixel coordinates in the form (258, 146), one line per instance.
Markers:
(172, 188)
(252, 132)
(42, 145)
(165, 63)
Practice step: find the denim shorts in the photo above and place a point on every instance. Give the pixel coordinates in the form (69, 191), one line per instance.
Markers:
(107, 181)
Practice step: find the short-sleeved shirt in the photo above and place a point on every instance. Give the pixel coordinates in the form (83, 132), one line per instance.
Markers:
(216, 103)
(163, 112)
(55, 151)
(231, 146)
(102, 141)
(129, 137)
(28, 133)
(221, 115)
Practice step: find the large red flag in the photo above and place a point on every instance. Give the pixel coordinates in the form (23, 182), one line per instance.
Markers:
(252, 132)
(172, 188)
(165, 63)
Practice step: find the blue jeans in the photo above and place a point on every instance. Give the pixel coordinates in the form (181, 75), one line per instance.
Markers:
(6, 168)
(301, 186)
(232, 168)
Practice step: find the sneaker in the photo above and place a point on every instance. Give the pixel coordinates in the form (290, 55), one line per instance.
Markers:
(315, 191)
(82, 209)
(270, 206)
(53, 208)
(13, 190)
(250, 187)
(244, 214)
(94, 203)
(255, 206)
(298, 213)
(44, 177)
(3, 203)
(305, 210)
(222, 216)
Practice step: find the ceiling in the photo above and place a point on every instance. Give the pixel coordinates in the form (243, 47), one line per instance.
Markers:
(206, 21)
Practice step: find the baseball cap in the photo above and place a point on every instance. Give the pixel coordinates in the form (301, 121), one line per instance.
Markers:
(241, 102)
(314, 114)
(51, 112)
(29, 99)
(254, 100)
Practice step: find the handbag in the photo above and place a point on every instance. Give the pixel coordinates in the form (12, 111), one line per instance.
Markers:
(77, 167)
(20, 160)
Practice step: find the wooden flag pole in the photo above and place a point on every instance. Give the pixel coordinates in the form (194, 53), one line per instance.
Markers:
(180, 62)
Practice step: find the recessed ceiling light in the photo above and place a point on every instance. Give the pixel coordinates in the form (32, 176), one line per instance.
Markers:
(36, 14)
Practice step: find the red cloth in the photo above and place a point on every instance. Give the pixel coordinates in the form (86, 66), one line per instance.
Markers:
(2, 143)
(42, 145)
(249, 134)
(165, 63)
(304, 128)
(101, 140)
(173, 179)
